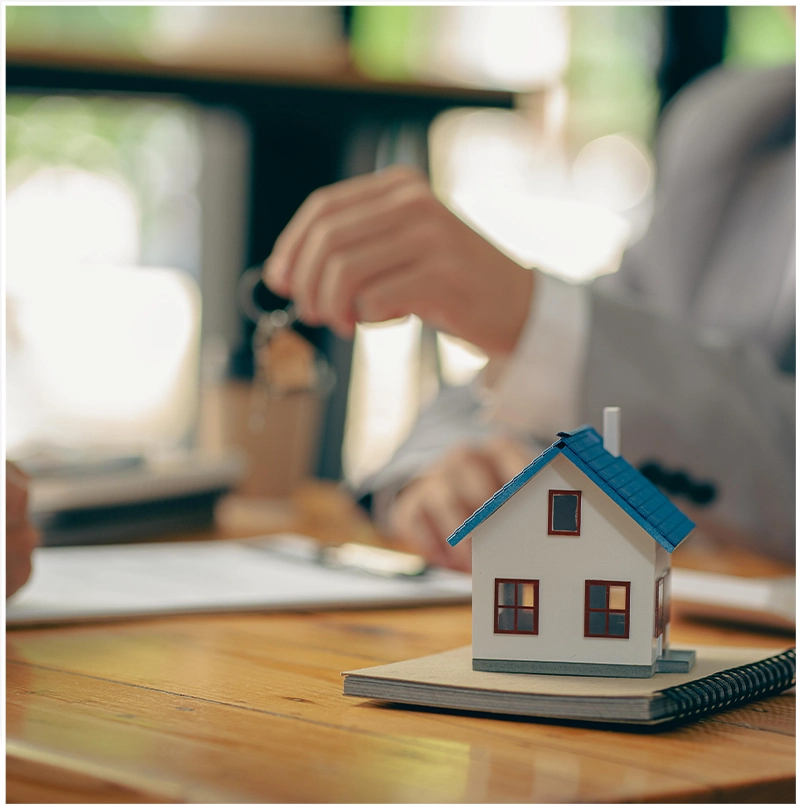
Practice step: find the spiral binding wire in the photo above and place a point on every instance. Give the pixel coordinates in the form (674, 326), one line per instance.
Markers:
(733, 687)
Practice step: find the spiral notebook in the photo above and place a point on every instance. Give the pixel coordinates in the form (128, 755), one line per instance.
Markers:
(721, 678)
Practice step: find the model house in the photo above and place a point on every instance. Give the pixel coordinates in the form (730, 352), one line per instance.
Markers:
(570, 565)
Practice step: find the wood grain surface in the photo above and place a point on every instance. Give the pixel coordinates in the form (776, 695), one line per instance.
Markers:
(249, 708)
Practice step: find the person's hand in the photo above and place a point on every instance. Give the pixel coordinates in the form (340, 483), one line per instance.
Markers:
(21, 537)
(381, 246)
(435, 504)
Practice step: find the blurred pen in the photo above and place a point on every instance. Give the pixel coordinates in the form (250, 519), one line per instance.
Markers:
(351, 555)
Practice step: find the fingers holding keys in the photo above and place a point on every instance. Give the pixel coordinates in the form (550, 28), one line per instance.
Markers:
(319, 219)
(348, 275)
(342, 250)
(382, 246)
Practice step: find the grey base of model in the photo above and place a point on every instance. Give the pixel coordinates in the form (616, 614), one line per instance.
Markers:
(670, 662)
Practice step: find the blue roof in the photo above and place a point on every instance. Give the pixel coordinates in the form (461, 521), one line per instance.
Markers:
(629, 488)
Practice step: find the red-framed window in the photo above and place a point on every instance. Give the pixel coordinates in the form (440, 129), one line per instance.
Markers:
(662, 605)
(607, 611)
(564, 513)
(516, 606)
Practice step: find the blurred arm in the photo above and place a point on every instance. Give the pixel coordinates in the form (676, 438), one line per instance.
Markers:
(21, 538)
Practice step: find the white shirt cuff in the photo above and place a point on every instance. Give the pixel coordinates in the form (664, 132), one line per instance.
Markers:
(536, 389)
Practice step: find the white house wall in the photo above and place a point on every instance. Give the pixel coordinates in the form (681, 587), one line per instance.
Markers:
(513, 543)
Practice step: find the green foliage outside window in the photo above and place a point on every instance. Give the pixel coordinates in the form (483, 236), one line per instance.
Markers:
(149, 146)
(760, 36)
(113, 28)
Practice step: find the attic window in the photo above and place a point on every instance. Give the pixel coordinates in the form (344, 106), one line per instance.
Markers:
(564, 513)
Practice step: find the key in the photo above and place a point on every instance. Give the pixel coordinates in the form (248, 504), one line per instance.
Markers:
(284, 362)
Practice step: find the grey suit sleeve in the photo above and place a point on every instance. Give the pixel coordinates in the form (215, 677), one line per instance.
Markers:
(452, 418)
(694, 336)
(721, 411)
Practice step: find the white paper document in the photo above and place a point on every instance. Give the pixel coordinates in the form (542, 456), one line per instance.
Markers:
(111, 581)
(769, 602)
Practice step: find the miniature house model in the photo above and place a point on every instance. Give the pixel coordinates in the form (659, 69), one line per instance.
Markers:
(570, 565)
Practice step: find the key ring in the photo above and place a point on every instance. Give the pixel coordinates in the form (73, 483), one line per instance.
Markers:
(284, 363)
(248, 305)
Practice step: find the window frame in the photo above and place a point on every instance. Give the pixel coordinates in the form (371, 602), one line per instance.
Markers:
(662, 610)
(515, 607)
(551, 531)
(587, 610)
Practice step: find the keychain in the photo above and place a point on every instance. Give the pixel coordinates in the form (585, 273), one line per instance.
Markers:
(284, 363)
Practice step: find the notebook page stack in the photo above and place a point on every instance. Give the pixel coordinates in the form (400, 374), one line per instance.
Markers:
(722, 677)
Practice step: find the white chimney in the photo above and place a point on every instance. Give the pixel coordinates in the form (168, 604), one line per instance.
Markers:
(611, 429)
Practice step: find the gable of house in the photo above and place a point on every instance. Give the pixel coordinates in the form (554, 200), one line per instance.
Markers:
(627, 487)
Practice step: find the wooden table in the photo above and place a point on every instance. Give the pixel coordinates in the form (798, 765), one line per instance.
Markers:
(248, 708)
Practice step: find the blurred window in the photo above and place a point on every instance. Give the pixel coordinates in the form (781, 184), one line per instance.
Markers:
(115, 180)
(101, 352)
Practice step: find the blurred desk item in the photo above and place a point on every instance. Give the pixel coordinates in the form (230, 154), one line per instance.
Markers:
(249, 708)
(318, 508)
(718, 577)
(767, 602)
(280, 454)
(172, 495)
(70, 463)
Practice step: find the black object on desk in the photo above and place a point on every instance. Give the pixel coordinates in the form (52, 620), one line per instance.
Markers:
(85, 505)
